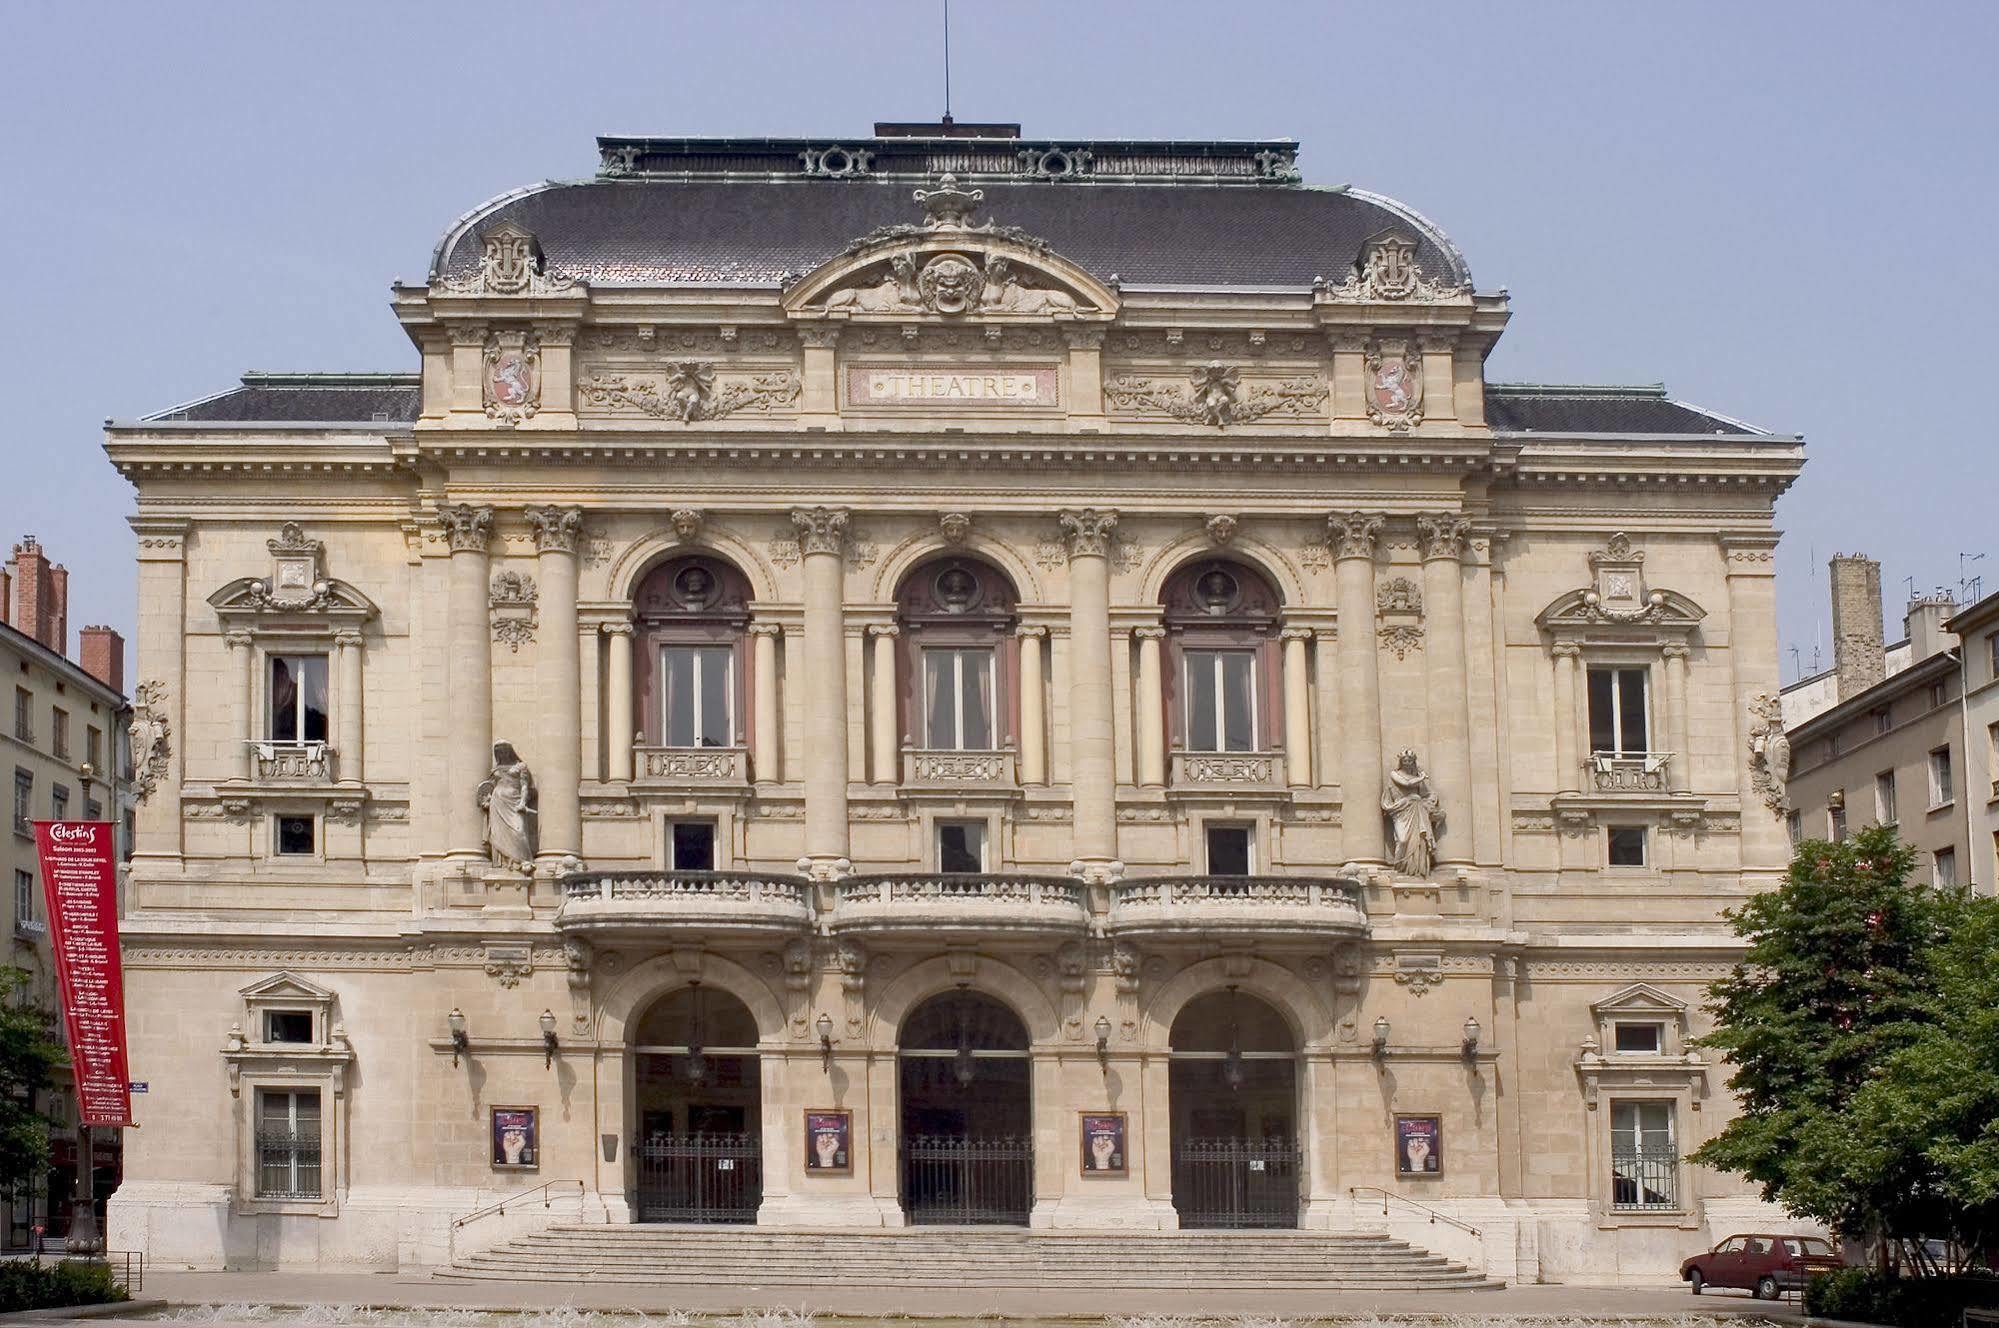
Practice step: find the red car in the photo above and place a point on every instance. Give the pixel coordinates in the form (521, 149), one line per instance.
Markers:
(1766, 1265)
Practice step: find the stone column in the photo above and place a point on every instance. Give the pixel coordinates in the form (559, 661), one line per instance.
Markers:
(618, 701)
(1353, 536)
(822, 537)
(1679, 773)
(1752, 665)
(765, 720)
(469, 754)
(1091, 757)
(1033, 708)
(1151, 708)
(883, 710)
(1297, 709)
(558, 678)
(1568, 764)
(1444, 671)
(243, 726)
(348, 748)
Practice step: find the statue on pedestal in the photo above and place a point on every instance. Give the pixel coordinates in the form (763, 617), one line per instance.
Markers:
(1415, 817)
(507, 797)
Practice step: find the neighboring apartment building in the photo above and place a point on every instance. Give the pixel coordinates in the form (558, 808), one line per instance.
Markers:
(969, 680)
(63, 753)
(1913, 747)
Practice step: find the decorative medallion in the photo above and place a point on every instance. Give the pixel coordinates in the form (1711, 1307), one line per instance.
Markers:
(1388, 271)
(1394, 387)
(510, 263)
(511, 383)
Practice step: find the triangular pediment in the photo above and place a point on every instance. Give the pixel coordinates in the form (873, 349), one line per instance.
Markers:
(286, 986)
(252, 597)
(1640, 998)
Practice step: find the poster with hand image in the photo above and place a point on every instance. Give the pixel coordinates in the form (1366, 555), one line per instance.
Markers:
(829, 1143)
(1103, 1143)
(516, 1138)
(1419, 1145)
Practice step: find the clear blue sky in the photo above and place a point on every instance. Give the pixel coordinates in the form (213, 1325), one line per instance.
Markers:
(1784, 211)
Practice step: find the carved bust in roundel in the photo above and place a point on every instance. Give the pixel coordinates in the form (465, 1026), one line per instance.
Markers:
(951, 284)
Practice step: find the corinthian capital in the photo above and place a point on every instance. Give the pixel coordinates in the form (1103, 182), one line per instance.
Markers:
(1089, 531)
(820, 529)
(467, 527)
(1444, 534)
(1353, 534)
(556, 529)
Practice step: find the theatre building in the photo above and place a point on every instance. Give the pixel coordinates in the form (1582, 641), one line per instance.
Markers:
(943, 678)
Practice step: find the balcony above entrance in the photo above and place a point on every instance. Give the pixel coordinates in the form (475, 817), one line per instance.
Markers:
(745, 904)
(942, 902)
(1251, 907)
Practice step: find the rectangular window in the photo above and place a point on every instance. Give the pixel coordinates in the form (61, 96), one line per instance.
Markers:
(1229, 850)
(58, 803)
(1834, 741)
(288, 1143)
(1938, 695)
(1942, 787)
(297, 711)
(1617, 712)
(59, 732)
(131, 834)
(93, 810)
(1835, 823)
(1883, 720)
(958, 700)
(288, 1026)
(1644, 1163)
(93, 748)
(24, 801)
(1884, 798)
(1992, 655)
(1221, 700)
(1640, 1039)
(1944, 872)
(1794, 825)
(24, 896)
(692, 845)
(697, 691)
(1992, 761)
(24, 714)
(961, 846)
(1627, 845)
(294, 835)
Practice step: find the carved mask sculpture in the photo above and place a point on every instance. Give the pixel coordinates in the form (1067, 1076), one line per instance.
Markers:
(951, 285)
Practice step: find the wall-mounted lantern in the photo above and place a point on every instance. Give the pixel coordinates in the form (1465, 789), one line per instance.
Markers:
(1380, 1044)
(548, 1042)
(1470, 1047)
(460, 1044)
(825, 1027)
(1104, 1044)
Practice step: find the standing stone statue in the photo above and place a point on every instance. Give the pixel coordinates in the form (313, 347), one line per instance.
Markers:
(507, 797)
(1415, 817)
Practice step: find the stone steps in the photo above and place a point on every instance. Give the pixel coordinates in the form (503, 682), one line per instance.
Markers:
(969, 1258)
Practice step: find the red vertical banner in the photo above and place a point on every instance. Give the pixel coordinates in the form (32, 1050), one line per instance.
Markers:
(80, 883)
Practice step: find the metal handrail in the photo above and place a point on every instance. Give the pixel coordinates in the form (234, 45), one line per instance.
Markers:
(1353, 1192)
(544, 1190)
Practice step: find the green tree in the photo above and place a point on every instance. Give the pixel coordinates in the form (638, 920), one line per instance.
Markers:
(29, 1055)
(1839, 979)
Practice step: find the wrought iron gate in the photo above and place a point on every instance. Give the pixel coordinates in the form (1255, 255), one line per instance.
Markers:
(1236, 1182)
(699, 1177)
(950, 1181)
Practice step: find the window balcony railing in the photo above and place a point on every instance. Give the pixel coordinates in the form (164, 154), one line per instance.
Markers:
(957, 769)
(1256, 907)
(744, 903)
(973, 902)
(1636, 772)
(1645, 1179)
(706, 766)
(291, 762)
(1232, 770)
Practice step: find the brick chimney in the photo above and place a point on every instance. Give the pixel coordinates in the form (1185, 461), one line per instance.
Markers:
(41, 590)
(7, 594)
(1859, 657)
(101, 651)
(1925, 621)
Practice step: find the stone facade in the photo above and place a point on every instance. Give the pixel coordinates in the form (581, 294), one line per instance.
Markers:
(721, 683)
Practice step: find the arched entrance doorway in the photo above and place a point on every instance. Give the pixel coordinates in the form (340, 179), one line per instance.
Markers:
(967, 1151)
(697, 1151)
(1233, 1093)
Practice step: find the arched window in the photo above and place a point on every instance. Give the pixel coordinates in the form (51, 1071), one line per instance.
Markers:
(690, 613)
(957, 617)
(1221, 675)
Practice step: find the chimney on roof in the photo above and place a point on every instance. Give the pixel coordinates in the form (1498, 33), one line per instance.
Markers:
(41, 596)
(7, 594)
(1858, 656)
(101, 651)
(1925, 621)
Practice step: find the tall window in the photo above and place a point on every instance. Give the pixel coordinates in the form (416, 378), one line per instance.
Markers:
(1884, 798)
(1944, 873)
(1617, 724)
(1221, 700)
(59, 733)
(288, 1143)
(1229, 850)
(1835, 823)
(961, 846)
(24, 714)
(93, 748)
(1942, 786)
(24, 896)
(297, 710)
(958, 698)
(58, 803)
(697, 686)
(1644, 1163)
(1221, 624)
(24, 800)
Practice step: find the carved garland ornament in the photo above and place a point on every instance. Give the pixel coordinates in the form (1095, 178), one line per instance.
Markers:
(687, 391)
(512, 599)
(1215, 396)
(1769, 752)
(151, 736)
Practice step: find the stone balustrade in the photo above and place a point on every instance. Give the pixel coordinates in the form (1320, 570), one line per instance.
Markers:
(745, 903)
(1645, 773)
(291, 762)
(980, 904)
(1256, 907)
(1233, 770)
(710, 767)
(958, 769)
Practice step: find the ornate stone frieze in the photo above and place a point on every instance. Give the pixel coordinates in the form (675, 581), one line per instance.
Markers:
(834, 162)
(687, 391)
(1618, 596)
(512, 599)
(1769, 753)
(1354, 534)
(1216, 768)
(507, 962)
(1444, 535)
(510, 381)
(510, 263)
(151, 736)
(1089, 532)
(1388, 272)
(467, 528)
(1214, 395)
(1398, 611)
(556, 529)
(820, 529)
(1394, 387)
(951, 285)
(1399, 594)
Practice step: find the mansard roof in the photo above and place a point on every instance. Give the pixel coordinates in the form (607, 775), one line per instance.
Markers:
(760, 211)
(1585, 409)
(305, 398)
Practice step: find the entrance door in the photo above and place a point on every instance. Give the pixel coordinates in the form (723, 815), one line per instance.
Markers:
(1233, 1088)
(697, 1154)
(967, 1152)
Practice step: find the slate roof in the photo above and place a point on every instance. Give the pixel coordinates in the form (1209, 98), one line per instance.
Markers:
(306, 398)
(1547, 408)
(759, 232)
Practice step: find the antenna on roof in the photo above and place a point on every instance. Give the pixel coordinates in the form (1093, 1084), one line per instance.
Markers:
(1969, 588)
(947, 61)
